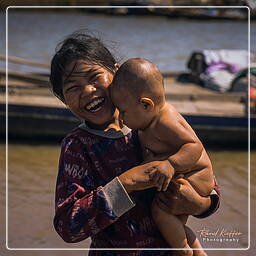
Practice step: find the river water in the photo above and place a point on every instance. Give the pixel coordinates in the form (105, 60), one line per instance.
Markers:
(31, 182)
(34, 33)
(32, 167)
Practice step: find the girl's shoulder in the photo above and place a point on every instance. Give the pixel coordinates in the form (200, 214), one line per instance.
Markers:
(77, 137)
(81, 139)
(77, 133)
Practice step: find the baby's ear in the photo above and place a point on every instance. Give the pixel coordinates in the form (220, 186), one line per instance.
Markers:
(147, 103)
(117, 66)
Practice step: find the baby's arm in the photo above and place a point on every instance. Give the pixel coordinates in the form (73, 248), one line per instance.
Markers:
(183, 142)
(179, 136)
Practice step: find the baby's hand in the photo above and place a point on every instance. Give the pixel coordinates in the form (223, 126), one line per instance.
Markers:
(161, 178)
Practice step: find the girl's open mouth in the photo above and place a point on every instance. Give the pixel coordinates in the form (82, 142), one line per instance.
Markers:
(95, 105)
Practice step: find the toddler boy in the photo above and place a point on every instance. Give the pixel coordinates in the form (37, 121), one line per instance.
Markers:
(137, 91)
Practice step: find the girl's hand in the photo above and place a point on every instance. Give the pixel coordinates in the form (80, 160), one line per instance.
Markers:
(162, 177)
(140, 177)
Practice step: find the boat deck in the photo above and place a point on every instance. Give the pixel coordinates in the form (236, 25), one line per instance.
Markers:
(219, 119)
(188, 98)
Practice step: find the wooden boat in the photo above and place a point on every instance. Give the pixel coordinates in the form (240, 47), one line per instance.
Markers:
(50, 122)
(33, 113)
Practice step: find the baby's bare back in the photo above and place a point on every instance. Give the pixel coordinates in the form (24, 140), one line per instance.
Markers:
(176, 132)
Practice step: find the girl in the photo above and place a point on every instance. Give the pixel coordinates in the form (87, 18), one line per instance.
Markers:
(102, 192)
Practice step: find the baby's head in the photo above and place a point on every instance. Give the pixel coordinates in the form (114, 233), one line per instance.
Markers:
(137, 91)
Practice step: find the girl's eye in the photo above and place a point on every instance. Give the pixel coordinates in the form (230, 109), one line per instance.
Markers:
(95, 78)
(72, 88)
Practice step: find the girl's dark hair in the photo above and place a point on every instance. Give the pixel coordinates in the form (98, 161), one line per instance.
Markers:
(78, 46)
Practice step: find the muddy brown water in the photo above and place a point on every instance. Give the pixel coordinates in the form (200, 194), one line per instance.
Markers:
(31, 182)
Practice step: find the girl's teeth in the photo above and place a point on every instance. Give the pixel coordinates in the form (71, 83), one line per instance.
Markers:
(94, 103)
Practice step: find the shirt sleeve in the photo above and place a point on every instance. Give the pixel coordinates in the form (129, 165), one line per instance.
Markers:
(81, 208)
(215, 202)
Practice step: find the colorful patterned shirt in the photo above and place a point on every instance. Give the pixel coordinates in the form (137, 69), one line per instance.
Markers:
(92, 202)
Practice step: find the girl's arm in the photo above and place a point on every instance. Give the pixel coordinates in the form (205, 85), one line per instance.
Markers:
(83, 206)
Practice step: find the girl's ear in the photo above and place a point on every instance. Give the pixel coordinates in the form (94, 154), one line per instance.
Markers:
(147, 103)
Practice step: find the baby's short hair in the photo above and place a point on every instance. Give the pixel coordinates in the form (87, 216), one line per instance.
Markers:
(141, 78)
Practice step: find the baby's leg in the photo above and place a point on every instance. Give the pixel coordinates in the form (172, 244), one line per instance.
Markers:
(194, 242)
(172, 230)
(201, 180)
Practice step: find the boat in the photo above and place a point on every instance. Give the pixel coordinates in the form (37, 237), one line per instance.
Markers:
(32, 113)
(46, 123)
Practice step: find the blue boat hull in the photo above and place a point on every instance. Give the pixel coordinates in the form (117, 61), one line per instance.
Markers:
(50, 123)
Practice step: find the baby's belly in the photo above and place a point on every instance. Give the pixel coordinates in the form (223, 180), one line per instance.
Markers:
(156, 147)
(161, 152)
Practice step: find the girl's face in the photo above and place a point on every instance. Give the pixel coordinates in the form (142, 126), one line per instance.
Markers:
(85, 90)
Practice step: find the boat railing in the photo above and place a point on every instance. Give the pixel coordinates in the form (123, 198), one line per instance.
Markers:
(24, 61)
(38, 79)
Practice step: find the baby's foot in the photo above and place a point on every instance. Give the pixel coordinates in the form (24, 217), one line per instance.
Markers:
(199, 253)
(185, 252)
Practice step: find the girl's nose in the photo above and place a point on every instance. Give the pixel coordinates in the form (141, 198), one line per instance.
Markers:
(88, 89)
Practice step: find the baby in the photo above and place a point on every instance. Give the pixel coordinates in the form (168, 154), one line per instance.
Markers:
(137, 91)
